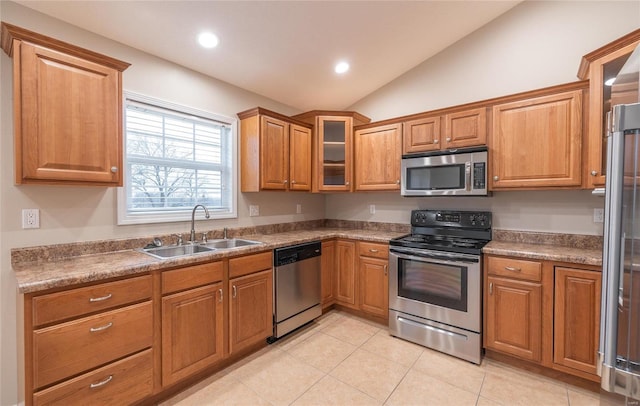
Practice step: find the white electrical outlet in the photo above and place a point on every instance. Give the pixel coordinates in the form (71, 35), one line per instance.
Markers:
(298, 208)
(30, 218)
(254, 210)
(372, 209)
(598, 215)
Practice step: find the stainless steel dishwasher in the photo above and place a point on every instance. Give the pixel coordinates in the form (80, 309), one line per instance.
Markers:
(296, 287)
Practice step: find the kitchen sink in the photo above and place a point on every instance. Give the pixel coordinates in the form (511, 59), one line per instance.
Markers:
(230, 243)
(177, 250)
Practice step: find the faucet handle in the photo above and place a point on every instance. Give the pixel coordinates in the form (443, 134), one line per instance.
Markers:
(224, 233)
(204, 237)
(179, 239)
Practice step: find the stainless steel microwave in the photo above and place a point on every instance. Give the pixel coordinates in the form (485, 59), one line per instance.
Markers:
(445, 173)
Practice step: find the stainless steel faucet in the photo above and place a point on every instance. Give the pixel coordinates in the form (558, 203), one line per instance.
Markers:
(193, 219)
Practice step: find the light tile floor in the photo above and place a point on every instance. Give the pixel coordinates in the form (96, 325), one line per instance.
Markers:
(340, 359)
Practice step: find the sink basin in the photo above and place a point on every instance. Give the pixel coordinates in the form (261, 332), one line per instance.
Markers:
(177, 250)
(230, 243)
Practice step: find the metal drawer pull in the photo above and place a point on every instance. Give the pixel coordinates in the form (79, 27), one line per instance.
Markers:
(234, 291)
(386, 268)
(491, 288)
(372, 250)
(101, 383)
(100, 299)
(106, 326)
(220, 290)
(512, 269)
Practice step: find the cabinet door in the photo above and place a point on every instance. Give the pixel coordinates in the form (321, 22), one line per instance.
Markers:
(374, 286)
(513, 318)
(346, 292)
(274, 153)
(300, 158)
(250, 310)
(328, 273)
(421, 135)
(600, 103)
(69, 119)
(576, 318)
(537, 142)
(377, 154)
(334, 155)
(192, 331)
(465, 128)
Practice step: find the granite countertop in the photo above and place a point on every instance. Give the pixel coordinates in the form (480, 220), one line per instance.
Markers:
(577, 249)
(38, 274)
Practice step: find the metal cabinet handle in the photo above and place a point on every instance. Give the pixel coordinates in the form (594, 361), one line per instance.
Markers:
(491, 288)
(594, 173)
(435, 141)
(101, 383)
(346, 183)
(106, 326)
(234, 291)
(221, 295)
(397, 181)
(293, 182)
(285, 181)
(512, 269)
(496, 177)
(448, 139)
(100, 299)
(114, 169)
(373, 250)
(386, 270)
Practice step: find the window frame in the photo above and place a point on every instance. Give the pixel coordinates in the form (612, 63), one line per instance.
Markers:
(167, 216)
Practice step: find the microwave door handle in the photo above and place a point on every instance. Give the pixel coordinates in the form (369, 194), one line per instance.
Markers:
(467, 170)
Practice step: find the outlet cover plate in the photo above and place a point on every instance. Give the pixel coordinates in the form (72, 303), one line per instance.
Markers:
(30, 218)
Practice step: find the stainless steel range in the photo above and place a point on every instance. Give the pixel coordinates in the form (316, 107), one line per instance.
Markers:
(435, 281)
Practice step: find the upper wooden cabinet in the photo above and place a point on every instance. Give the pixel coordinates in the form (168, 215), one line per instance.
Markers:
(457, 129)
(275, 152)
(536, 141)
(377, 158)
(333, 148)
(67, 111)
(599, 66)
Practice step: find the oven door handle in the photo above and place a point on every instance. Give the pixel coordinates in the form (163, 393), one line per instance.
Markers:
(440, 258)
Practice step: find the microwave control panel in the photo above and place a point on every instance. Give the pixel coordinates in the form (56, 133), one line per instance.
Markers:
(479, 178)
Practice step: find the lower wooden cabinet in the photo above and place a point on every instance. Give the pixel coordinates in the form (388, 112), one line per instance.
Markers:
(346, 279)
(250, 301)
(576, 320)
(192, 331)
(328, 273)
(543, 312)
(373, 278)
(192, 320)
(514, 318)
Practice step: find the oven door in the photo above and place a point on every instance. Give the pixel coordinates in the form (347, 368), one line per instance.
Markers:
(439, 286)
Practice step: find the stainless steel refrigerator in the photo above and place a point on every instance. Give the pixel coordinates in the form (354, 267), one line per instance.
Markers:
(619, 351)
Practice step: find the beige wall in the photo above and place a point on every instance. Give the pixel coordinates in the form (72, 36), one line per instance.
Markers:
(70, 214)
(535, 44)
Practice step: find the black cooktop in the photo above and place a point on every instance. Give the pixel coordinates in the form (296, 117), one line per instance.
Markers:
(444, 230)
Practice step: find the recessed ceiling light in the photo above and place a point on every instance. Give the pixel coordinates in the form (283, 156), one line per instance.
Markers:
(208, 40)
(609, 82)
(342, 67)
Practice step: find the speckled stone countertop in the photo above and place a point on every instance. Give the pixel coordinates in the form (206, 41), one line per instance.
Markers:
(41, 268)
(573, 248)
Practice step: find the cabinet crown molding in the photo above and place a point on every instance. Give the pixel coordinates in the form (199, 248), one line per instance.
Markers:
(10, 32)
(583, 69)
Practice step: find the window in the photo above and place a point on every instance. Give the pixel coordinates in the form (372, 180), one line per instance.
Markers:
(175, 157)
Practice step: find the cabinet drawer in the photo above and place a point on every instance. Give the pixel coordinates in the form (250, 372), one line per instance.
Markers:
(77, 302)
(191, 277)
(515, 268)
(369, 249)
(67, 349)
(122, 382)
(250, 264)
